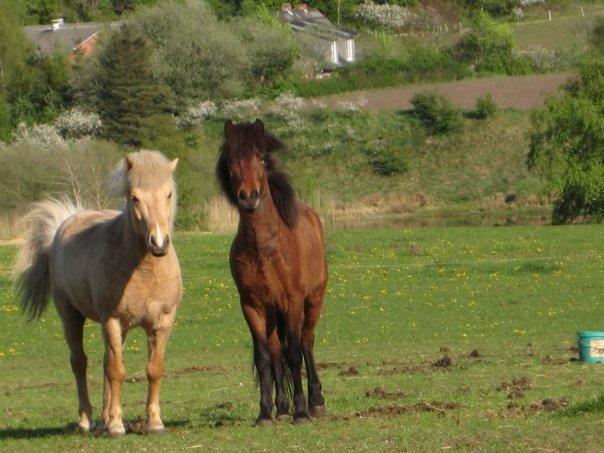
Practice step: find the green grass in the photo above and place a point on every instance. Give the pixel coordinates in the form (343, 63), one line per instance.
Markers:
(561, 33)
(396, 300)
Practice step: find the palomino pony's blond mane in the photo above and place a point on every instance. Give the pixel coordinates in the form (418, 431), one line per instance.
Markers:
(143, 169)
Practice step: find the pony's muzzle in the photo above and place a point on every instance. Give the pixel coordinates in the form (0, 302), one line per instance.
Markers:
(249, 201)
(158, 246)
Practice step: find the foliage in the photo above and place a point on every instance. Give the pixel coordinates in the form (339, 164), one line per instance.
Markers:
(32, 88)
(436, 112)
(489, 46)
(567, 144)
(75, 123)
(128, 92)
(597, 36)
(485, 107)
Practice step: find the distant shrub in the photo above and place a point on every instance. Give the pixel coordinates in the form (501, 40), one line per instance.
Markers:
(436, 112)
(567, 144)
(489, 47)
(241, 110)
(582, 195)
(485, 107)
(597, 36)
(75, 123)
(388, 161)
(195, 115)
(39, 136)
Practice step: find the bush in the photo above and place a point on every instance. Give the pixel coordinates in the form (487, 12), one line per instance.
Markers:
(485, 107)
(567, 144)
(582, 196)
(436, 112)
(489, 47)
(388, 162)
(75, 123)
(597, 36)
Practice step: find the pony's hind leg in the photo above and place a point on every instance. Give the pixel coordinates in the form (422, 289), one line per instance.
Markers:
(294, 360)
(276, 350)
(156, 342)
(73, 328)
(312, 312)
(115, 373)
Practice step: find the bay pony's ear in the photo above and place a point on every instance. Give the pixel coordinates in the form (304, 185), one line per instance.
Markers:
(259, 127)
(229, 128)
(173, 165)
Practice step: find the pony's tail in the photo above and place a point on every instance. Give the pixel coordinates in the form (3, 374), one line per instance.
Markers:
(284, 340)
(31, 269)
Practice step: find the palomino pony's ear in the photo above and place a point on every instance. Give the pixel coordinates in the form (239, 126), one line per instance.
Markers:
(127, 163)
(173, 165)
(118, 180)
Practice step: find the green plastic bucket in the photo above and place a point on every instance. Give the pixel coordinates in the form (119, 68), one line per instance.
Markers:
(591, 346)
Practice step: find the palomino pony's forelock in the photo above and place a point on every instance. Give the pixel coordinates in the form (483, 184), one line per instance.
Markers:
(143, 169)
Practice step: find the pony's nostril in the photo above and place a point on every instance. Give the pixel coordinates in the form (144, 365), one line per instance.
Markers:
(153, 241)
(254, 195)
(241, 195)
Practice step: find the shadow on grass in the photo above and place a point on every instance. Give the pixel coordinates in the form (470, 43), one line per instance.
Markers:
(592, 406)
(70, 429)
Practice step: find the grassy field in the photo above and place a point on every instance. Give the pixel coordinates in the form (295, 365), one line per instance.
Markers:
(561, 33)
(398, 301)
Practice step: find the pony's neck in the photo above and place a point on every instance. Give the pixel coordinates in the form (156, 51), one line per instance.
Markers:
(259, 228)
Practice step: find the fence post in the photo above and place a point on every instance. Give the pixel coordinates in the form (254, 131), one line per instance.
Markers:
(549, 11)
(582, 11)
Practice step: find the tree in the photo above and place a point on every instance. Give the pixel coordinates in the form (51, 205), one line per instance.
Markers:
(567, 144)
(128, 92)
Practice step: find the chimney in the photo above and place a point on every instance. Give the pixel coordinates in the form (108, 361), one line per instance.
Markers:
(286, 8)
(57, 23)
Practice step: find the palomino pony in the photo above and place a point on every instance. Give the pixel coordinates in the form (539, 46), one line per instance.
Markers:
(116, 268)
(278, 264)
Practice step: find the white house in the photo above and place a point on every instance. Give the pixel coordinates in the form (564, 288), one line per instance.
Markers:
(305, 19)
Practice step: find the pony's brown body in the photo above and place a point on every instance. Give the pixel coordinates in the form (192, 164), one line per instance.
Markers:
(116, 268)
(278, 264)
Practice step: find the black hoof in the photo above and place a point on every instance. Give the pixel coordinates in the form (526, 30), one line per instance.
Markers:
(301, 419)
(283, 417)
(264, 422)
(317, 411)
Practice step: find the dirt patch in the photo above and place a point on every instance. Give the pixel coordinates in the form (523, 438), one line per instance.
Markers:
(474, 354)
(399, 409)
(352, 370)
(225, 405)
(401, 370)
(136, 427)
(517, 385)
(444, 362)
(549, 404)
(326, 365)
(379, 392)
(515, 394)
(549, 360)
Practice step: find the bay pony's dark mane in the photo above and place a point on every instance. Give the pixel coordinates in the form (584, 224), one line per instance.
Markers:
(243, 139)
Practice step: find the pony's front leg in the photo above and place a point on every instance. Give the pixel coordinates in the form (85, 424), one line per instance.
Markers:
(156, 341)
(115, 373)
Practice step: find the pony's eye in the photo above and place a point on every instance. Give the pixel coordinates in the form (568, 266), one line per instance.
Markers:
(134, 199)
(169, 195)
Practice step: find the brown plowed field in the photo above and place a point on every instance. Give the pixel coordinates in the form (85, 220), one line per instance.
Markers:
(521, 92)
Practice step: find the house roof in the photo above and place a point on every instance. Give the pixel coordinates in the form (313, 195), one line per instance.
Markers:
(311, 20)
(66, 38)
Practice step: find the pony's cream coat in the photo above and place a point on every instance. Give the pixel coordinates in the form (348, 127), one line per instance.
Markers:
(114, 267)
